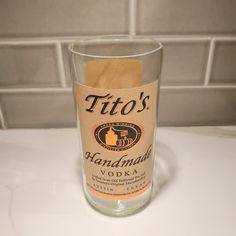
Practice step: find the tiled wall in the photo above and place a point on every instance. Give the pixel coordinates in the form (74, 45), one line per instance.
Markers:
(199, 72)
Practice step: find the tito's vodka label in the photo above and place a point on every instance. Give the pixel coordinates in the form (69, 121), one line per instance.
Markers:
(117, 129)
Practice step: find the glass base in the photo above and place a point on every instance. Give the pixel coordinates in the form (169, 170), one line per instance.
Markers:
(119, 207)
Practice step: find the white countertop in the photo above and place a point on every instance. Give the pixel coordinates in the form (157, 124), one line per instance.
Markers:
(195, 186)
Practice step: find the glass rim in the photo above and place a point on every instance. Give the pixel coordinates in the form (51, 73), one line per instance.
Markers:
(115, 39)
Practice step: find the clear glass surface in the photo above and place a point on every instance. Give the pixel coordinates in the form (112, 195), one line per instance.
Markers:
(149, 51)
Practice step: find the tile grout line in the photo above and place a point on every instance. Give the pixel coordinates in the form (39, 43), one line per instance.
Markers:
(192, 38)
(60, 63)
(209, 62)
(27, 42)
(177, 38)
(186, 87)
(2, 120)
(132, 17)
(69, 89)
(225, 38)
(35, 90)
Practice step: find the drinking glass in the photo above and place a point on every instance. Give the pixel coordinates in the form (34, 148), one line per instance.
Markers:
(116, 89)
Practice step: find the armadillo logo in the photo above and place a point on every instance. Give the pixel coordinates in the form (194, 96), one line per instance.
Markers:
(117, 136)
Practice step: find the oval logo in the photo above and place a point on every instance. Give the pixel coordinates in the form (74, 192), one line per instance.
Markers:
(117, 136)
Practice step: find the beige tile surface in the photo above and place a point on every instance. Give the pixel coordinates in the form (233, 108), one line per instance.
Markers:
(197, 107)
(28, 66)
(38, 110)
(224, 63)
(184, 62)
(71, 17)
(186, 16)
(177, 108)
